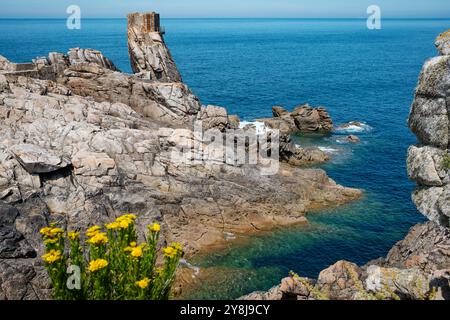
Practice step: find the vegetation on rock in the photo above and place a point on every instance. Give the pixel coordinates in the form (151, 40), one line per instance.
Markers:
(446, 160)
(110, 264)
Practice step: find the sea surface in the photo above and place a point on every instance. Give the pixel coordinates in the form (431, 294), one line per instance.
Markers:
(249, 65)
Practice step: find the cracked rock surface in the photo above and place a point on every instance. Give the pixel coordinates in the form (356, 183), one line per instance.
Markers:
(81, 143)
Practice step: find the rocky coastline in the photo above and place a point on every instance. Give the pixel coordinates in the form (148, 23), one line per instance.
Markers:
(82, 142)
(417, 267)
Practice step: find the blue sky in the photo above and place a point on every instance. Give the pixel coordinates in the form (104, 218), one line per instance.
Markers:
(228, 8)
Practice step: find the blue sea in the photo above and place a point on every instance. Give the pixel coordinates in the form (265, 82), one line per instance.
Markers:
(249, 65)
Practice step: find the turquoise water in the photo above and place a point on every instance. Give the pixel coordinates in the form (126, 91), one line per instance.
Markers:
(248, 65)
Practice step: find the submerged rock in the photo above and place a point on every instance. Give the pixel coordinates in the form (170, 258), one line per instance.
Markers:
(352, 139)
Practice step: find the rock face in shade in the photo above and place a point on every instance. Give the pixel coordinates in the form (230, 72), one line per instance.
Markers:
(81, 143)
(150, 57)
(302, 119)
(418, 267)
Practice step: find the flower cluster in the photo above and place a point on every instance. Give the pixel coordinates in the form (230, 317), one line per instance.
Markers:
(97, 265)
(113, 265)
(52, 256)
(98, 239)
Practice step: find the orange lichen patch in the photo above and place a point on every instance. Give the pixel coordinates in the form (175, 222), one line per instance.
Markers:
(444, 35)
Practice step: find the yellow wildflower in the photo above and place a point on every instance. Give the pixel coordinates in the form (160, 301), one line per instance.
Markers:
(56, 231)
(136, 252)
(154, 227)
(133, 244)
(97, 265)
(51, 232)
(51, 241)
(124, 224)
(73, 235)
(177, 246)
(52, 256)
(92, 231)
(129, 217)
(170, 252)
(113, 226)
(45, 231)
(98, 238)
(143, 283)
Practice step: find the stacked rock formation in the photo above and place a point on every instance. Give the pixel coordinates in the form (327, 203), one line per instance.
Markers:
(429, 161)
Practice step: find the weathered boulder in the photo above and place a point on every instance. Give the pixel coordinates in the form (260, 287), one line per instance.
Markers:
(36, 159)
(213, 117)
(425, 165)
(352, 139)
(278, 111)
(302, 119)
(443, 43)
(79, 56)
(271, 295)
(339, 281)
(4, 86)
(5, 65)
(393, 283)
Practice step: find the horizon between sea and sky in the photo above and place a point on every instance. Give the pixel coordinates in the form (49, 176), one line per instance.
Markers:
(249, 65)
(412, 9)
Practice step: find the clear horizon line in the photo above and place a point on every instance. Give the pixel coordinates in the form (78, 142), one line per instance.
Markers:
(231, 18)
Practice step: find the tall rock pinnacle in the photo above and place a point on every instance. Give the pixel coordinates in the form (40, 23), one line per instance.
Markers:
(150, 58)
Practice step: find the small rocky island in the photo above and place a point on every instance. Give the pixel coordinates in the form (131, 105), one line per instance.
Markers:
(418, 267)
(82, 143)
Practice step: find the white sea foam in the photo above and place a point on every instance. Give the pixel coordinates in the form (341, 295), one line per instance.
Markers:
(328, 149)
(354, 128)
(322, 148)
(259, 126)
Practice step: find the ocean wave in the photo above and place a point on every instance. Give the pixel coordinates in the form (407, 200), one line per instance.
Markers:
(328, 149)
(354, 127)
(323, 148)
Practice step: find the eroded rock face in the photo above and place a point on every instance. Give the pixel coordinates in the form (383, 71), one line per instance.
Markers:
(428, 162)
(150, 57)
(443, 43)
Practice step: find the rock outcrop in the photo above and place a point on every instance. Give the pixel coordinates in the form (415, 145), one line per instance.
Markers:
(418, 267)
(81, 142)
(150, 57)
(429, 161)
(303, 119)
